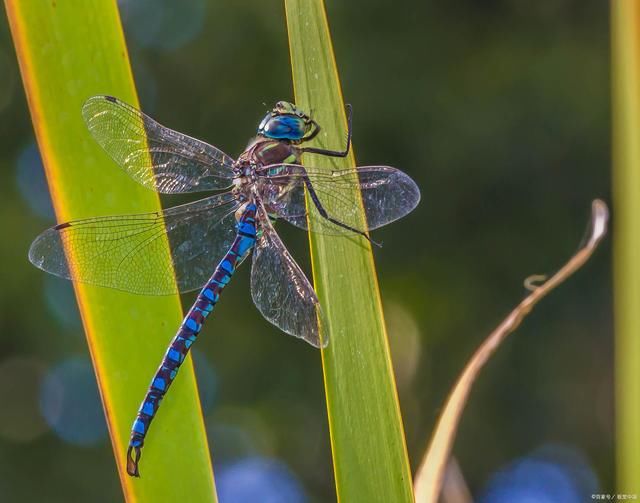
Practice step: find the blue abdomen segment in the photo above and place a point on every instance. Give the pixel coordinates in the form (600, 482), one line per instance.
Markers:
(188, 332)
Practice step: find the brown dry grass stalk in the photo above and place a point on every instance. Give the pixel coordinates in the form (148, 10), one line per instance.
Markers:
(430, 474)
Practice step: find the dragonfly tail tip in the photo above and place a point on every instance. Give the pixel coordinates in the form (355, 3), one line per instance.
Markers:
(132, 463)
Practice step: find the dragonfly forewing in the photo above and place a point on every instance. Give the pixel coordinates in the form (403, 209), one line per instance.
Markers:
(159, 158)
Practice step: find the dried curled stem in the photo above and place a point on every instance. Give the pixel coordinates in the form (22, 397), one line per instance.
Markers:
(429, 477)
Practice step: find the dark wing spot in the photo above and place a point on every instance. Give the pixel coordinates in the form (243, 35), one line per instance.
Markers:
(62, 226)
(110, 98)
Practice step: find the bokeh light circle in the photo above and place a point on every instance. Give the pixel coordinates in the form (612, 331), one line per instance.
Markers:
(206, 379)
(70, 403)
(61, 302)
(32, 183)
(258, 479)
(236, 432)
(228, 442)
(552, 474)
(163, 24)
(406, 343)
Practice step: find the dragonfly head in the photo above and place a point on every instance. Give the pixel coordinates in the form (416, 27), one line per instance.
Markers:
(287, 122)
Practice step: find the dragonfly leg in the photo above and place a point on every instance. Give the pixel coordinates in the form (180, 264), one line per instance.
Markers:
(330, 153)
(325, 215)
(187, 334)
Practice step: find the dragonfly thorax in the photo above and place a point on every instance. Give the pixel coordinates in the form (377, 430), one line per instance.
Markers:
(265, 151)
(260, 153)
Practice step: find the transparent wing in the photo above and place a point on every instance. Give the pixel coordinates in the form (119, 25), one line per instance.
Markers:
(157, 157)
(387, 194)
(130, 252)
(280, 290)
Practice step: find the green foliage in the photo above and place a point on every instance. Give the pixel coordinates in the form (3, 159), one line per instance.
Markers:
(369, 453)
(626, 177)
(69, 51)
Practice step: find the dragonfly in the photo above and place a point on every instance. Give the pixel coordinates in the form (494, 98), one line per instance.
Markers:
(199, 245)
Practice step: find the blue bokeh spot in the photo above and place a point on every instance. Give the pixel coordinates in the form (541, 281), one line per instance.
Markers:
(553, 474)
(70, 403)
(32, 183)
(258, 479)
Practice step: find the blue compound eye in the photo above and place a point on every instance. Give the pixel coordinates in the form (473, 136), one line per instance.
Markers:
(283, 127)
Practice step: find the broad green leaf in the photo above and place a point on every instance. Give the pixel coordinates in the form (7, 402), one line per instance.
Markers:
(69, 50)
(625, 25)
(367, 437)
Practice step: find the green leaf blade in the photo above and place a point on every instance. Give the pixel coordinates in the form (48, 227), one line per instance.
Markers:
(625, 26)
(69, 51)
(369, 451)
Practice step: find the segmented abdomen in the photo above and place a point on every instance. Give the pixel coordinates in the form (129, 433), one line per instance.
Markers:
(188, 332)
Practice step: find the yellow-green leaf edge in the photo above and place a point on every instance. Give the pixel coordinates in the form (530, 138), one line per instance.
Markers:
(69, 50)
(367, 437)
(625, 42)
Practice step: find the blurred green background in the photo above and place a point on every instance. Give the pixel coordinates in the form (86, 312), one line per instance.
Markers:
(500, 110)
